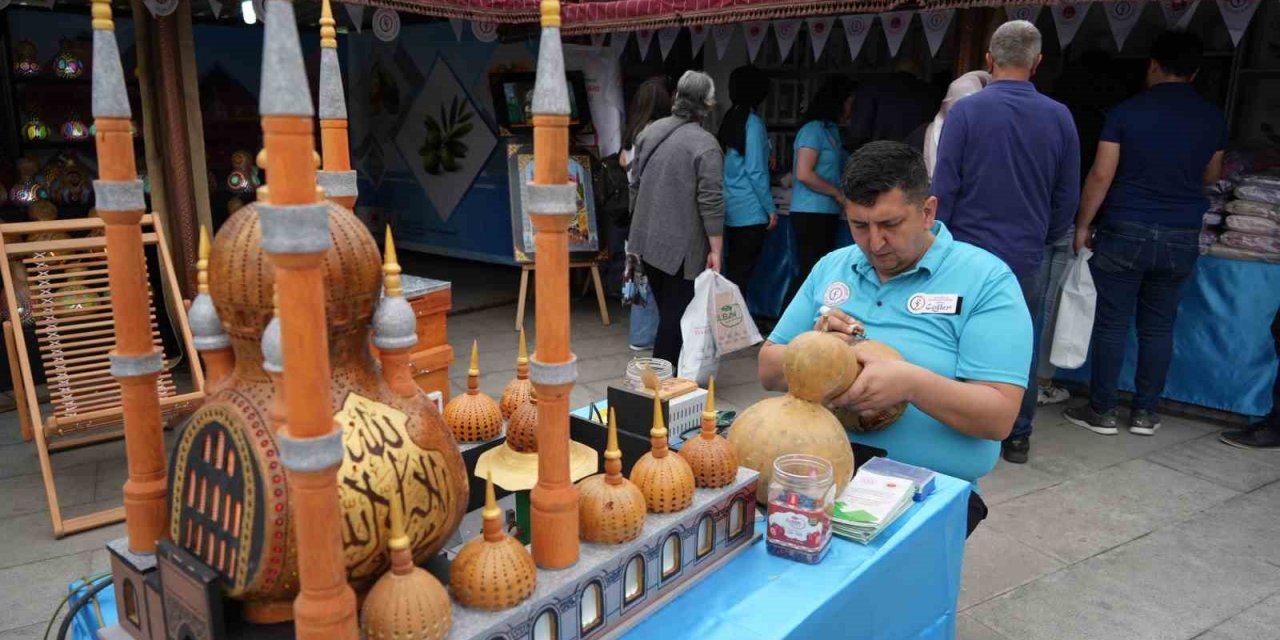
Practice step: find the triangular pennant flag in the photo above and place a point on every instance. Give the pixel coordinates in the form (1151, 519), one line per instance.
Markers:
(1178, 13)
(1028, 12)
(457, 24)
(618, 42)
(1068, 17)
(597, 39)
(856, 29)
(484, 31)
(356, 13)
(819, 31)
(698, 37)
(214, 5)
(1237, 14)
(667, 39)
(786, 31)
(644, 38)
(895, 24)
(935, 27)
(755, 33)
(1122, 15)
(722, 34)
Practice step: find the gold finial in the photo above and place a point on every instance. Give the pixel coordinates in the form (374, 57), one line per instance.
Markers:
(315, 157)
(491, 510)
(523, 356)
(551, 13)
(659, 429)
(709, 411)
(261, 159)
(390, 267)
(328, 35)
(475, 359)
(202, 264)
(611, 451)
(102, 16)
(399, 539)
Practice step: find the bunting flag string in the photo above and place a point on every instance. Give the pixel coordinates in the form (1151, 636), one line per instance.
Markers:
(667, 40)
(1178, 13)
(755, 33)
(214, 5)
(722, 34)
(644, 38)
(819, 31)
(936, 24)
(856, 29)
(456, 23)
(618, 42)
(1068, 17)
(1122, 15)
(698, 37)
(895, 24)
(356, 13)
(786, 31)
(1237, 14)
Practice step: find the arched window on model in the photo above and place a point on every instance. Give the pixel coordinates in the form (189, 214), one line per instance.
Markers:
(633, 581)
(546, 626)
(591, 608)
(706, 535)
(671, 556)
(131, 604)
(737, 516)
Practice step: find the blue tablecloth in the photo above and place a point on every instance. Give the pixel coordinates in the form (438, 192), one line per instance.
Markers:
(903, 585)
(1223, 354)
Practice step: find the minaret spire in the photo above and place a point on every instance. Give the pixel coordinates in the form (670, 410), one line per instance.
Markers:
(207, 333)
(337, 179)
(395, 326)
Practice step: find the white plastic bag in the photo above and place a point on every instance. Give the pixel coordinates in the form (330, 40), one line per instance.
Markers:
(732, 326)
(1075, 315)
(699, 358)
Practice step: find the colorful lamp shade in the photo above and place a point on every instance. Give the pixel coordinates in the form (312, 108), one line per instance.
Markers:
(74, 129)
(35, 130)
(27, 192)
(26, 59)
(67, 65)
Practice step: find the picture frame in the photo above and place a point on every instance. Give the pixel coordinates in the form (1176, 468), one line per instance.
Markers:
(513, 97)
(584, 238)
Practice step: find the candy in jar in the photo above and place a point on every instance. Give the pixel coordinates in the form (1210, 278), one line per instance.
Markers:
(801, 495)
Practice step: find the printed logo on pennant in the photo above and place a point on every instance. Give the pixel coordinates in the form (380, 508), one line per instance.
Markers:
(934, 304)
(785, 31)
(819, 31)
(1068, 17)
(1237, 14)
(837, 293)
(755, 32)
(895, 25)
(386, 24)
(1178, 13)
(1122, 15)
(856, 29)
(1028, 12)
(935, 27)
(722, 34)
(484, 31)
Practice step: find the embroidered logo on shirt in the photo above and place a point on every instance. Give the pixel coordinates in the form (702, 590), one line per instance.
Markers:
(934, 303)
(837, 293)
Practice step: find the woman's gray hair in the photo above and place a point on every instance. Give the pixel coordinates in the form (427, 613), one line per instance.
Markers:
(1015, 44)
(695, 95)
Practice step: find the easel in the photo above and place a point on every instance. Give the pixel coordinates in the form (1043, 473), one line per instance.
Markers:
(594, 266)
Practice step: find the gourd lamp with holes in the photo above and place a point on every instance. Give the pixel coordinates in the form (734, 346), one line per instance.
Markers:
(666, 480)
(523, 425)
(713, 459)
(406, 602)
(493, 571)
(520, 389)
(610, 508)
(473, 416)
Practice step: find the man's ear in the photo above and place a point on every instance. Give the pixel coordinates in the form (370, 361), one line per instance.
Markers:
(930, 209)
(991, 63)
(1036, 64)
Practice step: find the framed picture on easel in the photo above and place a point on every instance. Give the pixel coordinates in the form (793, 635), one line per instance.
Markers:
(584, 241)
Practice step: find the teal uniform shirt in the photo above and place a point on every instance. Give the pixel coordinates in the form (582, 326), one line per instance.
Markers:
(823, 137)
(958, 313)
(748, 199)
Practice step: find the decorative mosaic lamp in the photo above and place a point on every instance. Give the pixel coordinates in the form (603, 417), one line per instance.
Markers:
(244, 177)
(522, 427)
(519, 390)
(473, 416)
(27, 190)
(26, 62)
(493, 571)
(406, 602)
(611, 508)
(665, 479)
(713, 459)
(74, 129)
(67, 65)
(35, 130)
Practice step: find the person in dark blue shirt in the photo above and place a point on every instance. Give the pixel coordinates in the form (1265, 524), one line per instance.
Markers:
(1157, 152)
(1008, 178)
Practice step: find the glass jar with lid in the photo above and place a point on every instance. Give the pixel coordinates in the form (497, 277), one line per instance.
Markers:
(802, 494)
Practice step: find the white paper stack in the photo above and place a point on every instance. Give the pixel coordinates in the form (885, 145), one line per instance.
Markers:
(869, 504)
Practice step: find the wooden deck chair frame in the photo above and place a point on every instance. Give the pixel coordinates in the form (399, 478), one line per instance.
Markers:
(101, 417)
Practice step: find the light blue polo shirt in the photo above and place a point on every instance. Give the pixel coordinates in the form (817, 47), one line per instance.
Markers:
(987, 338)
(823, 137)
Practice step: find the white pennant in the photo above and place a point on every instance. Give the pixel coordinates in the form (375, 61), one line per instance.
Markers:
(819, 31)
(856, 29)
(1028, 12)
(597, 39)
(1068, 17)
(1122, 15)
(786, 32)
(1178, 13)
(161, 8)
(484, 31)
(895, 24)
(356, 13)
(755, 33)
(618, 42)
(214, 5)
(1237, 14)
(386, 24)
(722, 34)
(644, 38)
(935, 27)
(698, 37)
(667, 39)
(457, 24)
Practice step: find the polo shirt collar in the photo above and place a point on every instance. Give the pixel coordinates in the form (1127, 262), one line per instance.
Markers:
(929, 262)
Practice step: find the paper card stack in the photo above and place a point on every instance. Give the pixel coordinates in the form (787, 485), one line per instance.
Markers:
(921, 477)
(869, 504)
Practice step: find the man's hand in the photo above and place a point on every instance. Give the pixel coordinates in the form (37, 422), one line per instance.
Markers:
(840, 323)
(713, 261)
(1084, 238)
(882, 383)
(773, 222)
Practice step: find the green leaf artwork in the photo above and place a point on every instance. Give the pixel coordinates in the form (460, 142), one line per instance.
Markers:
(444, 149)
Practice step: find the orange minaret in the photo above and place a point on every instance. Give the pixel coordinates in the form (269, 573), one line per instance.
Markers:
(210, 339)
(337, 179)
(295, 235)
(552, 203)
(135, 361)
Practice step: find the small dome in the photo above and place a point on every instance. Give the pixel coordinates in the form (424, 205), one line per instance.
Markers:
(611, 509)
(414, 605)
(520, 389)
(473, 416)
(206, 326)
(666, 480)
(522, 428)
(713, 459)
(493, 571)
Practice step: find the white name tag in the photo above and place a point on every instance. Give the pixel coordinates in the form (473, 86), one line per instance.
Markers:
(934, 303)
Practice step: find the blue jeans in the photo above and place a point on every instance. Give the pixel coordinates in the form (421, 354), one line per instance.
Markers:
(1057, 257)
(1031, 293)
(1138, 270)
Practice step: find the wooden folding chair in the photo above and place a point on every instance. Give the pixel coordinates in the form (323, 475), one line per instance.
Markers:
(65, 282)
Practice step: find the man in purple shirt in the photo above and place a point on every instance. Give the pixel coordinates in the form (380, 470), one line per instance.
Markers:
(1008, 177)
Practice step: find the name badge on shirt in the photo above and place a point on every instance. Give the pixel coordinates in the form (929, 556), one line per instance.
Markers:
(947, 304)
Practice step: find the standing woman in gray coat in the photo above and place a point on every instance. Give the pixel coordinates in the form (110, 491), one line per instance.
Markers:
(678, 206)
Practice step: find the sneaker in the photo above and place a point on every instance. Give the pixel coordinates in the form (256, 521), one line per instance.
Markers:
(636, 347)
(1015, 450)
(1262, 439)
(1050, 394)
(1143, 422)
(1084, 416)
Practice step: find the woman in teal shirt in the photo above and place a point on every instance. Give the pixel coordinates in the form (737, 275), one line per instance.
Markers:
(817, 203)
(749, 209)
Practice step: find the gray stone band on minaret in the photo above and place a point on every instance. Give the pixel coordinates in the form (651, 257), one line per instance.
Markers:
(119, 195)
(206, 327)
(550, 93)
(132, 366)
(110, 100)
(561, 373)
(285, 90)
(299, 228)
(272, 349)
(309, 454)
(337, 184)
(394, 324)
(333, 103)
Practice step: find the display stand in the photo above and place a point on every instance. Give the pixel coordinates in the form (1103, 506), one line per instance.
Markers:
(593, 265)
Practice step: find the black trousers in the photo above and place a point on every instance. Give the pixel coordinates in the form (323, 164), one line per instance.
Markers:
(742, 252)
(673, 294)
(815, 237)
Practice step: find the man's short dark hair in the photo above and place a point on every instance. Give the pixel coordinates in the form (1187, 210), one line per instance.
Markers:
(1179, 53)
(882, 166)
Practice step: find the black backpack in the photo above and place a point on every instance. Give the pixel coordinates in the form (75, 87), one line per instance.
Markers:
(615, 192)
